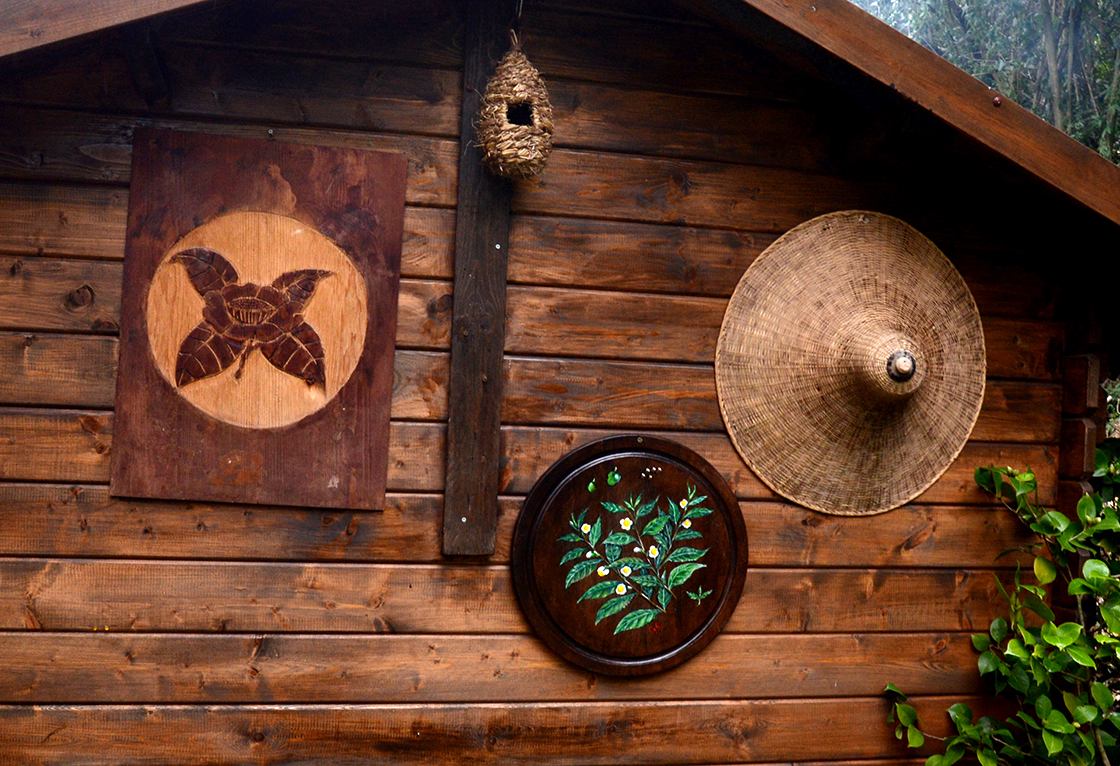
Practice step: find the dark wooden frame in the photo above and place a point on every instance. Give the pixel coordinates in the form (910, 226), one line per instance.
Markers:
(537, 504)
(166, 448)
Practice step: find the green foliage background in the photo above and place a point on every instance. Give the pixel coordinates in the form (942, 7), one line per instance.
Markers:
(1058, 58)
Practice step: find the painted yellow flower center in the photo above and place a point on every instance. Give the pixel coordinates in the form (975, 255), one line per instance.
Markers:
(620, 589)
(627, 523)
(653, 551)
(626, 571)
(585, 528)
(686, 523)
(602, 571)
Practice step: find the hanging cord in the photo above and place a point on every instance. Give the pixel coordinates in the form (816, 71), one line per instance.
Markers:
(515, 25)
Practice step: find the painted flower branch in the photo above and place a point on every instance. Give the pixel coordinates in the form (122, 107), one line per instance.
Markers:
(655, 562)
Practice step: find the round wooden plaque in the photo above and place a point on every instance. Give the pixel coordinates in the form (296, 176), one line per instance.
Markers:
(629, 555)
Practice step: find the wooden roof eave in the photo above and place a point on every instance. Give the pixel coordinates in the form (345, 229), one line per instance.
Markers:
(27, 24)
(816, 29)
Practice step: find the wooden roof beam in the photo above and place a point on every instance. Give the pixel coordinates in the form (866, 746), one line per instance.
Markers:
(820, 32)
(27, 24)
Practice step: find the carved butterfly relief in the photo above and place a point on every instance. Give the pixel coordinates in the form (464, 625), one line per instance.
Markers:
(238, 319)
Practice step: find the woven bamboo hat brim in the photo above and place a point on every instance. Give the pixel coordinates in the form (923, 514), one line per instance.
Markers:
(850, 365)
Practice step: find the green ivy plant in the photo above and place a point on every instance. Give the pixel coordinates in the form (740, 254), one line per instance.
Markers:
(1063, 675)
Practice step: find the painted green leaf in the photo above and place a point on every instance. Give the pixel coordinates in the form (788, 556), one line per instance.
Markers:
(581, 570)
(655, 526)
(1102, 696)
(637, 619)
(695, 513)
(1045, 570)
(618, 538)
(697, 500)
(612, 552)
(664, 597)
(648, 581)
(613, 507)
(633, 563)
(571, 537)
(595, 533)
(614, 606)
(573, 554)
(1062, 635)
(686, 554)
(681, 574)
(648, 508)
(600, 589)
(687, 534)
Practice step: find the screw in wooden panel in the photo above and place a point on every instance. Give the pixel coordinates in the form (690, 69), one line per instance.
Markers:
(997, 101)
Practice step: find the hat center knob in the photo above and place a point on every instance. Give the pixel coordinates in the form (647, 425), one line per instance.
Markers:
(901, 366)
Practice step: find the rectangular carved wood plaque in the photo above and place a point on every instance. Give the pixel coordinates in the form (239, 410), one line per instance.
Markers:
(258, 322)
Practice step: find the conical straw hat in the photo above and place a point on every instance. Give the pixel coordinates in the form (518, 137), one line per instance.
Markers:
(850, 366)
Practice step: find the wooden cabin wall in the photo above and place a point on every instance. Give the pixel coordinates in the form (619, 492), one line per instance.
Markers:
(144, 632)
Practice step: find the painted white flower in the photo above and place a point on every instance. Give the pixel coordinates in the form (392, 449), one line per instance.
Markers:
(602, 571)
(626, 571)
(684, 503)
(637, 550)
(590, 554)
(627, 523)
(620, 589)
(686, 523)
(653, 551)
(585, 528)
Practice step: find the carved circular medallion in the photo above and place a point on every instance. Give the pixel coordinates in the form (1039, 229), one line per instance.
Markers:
(256, 319)
(629, 555)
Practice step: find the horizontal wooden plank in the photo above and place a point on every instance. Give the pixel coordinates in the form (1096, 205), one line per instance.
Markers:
(262, 85)
(79, 371)
(637, 395)
(565, 734)
(88, 220)
(55, 446)
(97, 594)
(70, 295)
(50, 668)
(59, 219)
(77, 146)
(83, 521)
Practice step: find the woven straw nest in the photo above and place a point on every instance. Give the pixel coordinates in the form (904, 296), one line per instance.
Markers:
(515, 120)
(850, 366)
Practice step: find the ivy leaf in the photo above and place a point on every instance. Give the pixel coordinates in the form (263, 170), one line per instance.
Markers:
(1111, 615)
(573, 554)
(600, 590)
(961, 715)
(907, 715)
(1058, 723)
(686, 554)
(1045, 570)
(914, 738)
(1062, 635)
(892, 689)
(988, 663)
(1016, 649)
(1052, 741)
(680, 574)
(1102, 696)
(1018, 680)
(998, 629)
(1086, 509)
(637, 619)
(581, 570)
(1095, 569)
(614, 606)
(987, 757)
(981, 642)
(1038, 606)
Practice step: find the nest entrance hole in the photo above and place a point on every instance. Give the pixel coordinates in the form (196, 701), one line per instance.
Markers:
(519, 113)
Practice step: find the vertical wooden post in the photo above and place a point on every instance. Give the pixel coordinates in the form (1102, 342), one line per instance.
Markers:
(470, 510)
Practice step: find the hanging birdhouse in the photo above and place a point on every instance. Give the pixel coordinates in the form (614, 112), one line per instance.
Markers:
(515, 120)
